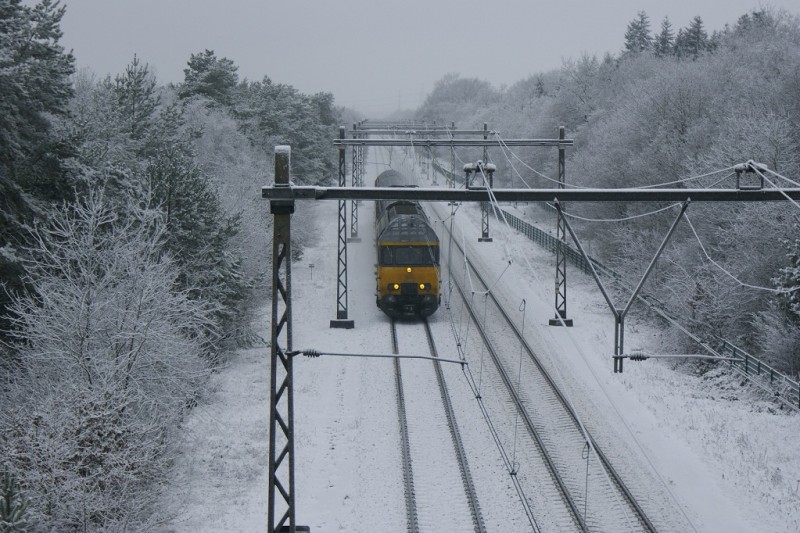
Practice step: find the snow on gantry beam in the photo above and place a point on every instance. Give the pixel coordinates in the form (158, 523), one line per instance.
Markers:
(529, 195)
(453, 142)
(421, 131)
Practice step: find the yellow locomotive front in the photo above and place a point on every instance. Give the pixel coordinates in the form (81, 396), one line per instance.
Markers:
(408, 278)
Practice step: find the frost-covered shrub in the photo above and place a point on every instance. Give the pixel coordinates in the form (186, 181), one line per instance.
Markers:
(109, 353)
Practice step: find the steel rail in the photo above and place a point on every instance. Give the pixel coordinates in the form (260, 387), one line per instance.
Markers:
(630, 500)
(452, 424)
(550, 465)
(405, 446)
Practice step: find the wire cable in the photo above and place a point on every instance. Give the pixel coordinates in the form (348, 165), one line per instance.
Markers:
(783, 193)
(796, 184)
(728, 273)
(504, 147)
(562, 380)
(632, 217)
(687, 180)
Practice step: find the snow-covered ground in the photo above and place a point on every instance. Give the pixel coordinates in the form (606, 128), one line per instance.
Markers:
(725, 460)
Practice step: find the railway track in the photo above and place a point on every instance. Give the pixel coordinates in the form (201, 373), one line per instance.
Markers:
(431, 441)
(576, 471)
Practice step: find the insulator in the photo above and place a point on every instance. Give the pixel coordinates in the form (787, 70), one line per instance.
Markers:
(637, 356)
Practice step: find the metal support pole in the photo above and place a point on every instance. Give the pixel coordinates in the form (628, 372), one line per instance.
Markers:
(485, 137)
(485, 205)
(431, 172)
(619, 339)
(360, 168)
(341, 320)
(451, 181)
(484, 223)
(355, 182)
(561, 255)
(619, 314)
(281, 499)
(655, 258)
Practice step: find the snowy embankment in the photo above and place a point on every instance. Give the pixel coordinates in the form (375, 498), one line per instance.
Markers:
(728, 460)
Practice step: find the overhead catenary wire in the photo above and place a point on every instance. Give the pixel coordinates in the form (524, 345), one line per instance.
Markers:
(780, 176)
(501, 215)
(693, 228)
(689, 179)
(466, 371)
(522, 309)
(625, 219)
(625, 514)
(700, 342)
(507, 149)
(728, 273)
(761, 174)
(461, 344)
(657, 473)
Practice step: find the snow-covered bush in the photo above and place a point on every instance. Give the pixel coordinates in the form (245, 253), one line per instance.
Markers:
(110, 355)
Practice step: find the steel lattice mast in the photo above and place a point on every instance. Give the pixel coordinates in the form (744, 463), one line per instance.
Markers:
(281, 498)
(341, 320)
(561, 256)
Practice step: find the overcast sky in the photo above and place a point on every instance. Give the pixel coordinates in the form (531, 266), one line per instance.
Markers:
(373, 55)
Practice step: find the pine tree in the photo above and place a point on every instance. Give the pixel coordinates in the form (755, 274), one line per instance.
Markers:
(197, 231)
(637, 36)
(753, 21)
(34, 75)
(276, 113)
(665, 40)
(210, 77)
(34, 86)
(136, 98)
(692, 41)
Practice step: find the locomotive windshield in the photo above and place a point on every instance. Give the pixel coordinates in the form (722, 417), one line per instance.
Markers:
(409, 255)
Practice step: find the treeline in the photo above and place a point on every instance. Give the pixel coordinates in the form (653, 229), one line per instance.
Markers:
(132, 236)
(665, 110)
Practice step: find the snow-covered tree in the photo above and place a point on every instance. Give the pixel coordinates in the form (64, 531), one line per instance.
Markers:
(789, 279)
(637, 36)
(197, 232)
(137, 99)
(34, 75)
(453, 99)
(211, 77)
(275, 113)
(692, 41)
(664, 42)
(109, 353)
(34, 87)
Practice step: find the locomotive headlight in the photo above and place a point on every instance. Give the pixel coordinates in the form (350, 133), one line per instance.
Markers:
(396, 286)
(408, 269)
(422, 286)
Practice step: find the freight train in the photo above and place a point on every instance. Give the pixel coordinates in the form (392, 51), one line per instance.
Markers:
(407, 247)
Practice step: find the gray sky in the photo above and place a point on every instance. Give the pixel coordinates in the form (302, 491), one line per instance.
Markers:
(373, 55)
